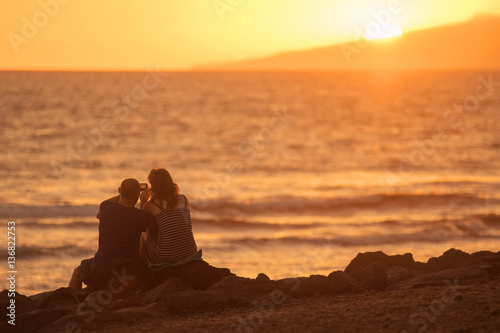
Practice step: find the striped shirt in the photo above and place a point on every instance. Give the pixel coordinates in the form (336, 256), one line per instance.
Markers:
(174, 240)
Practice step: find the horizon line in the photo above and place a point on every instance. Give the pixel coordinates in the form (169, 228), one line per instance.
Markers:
(197, 70)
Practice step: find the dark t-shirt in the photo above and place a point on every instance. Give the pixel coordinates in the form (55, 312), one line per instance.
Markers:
(120, 230)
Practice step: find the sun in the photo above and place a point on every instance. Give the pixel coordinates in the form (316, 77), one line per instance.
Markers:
(379, 32)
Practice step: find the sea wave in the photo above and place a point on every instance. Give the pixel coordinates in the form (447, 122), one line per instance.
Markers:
(487, 220)
(332, 240)
(13, 211)
(33, 251)
(380, 202)
(59, 225)
(224, 224)
(387, 232)
(274, 205)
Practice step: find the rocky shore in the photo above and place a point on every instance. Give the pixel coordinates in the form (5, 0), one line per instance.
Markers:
(456, 292)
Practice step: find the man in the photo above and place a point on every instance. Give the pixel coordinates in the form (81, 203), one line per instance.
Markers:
(120, 229)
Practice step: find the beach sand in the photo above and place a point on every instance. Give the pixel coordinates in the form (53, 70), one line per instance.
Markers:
(475, 309)
(456, 292)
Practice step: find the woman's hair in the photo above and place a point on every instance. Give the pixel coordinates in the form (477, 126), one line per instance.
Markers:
(163, 187)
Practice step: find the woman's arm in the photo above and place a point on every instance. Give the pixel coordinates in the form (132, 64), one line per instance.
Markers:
(145, 195)
(152, 227)
(151, 224)
(186, 201)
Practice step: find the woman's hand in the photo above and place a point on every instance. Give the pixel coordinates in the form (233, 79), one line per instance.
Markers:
(145, 195)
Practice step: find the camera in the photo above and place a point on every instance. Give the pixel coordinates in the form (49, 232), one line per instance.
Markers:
(144, 186)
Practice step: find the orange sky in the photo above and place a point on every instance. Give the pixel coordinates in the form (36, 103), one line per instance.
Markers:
(127, 34)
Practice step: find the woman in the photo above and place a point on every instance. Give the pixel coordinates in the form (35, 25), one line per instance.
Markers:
(169, 240)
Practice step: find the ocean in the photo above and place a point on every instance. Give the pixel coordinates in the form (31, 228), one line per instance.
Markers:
(288, 173)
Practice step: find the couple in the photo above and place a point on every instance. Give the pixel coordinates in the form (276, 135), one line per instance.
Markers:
(159, 232)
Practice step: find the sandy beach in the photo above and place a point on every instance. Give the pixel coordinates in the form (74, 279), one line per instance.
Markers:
(456, 292)
(476, 309)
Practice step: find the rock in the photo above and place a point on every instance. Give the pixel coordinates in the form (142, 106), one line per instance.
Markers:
(288, 286)
(96, 321)
(455, 258)
(400, 260)
(343, 283)
(165, 289)
(373, 277)
(34, 320)
(369, 269)
(82, 293)
(255, 288)
(315, 285)
(262, 278)
(131, 314)
(198, 274)
(232, 282)
(399, 273)
(23, 303)
(487, 257)
(128, 295)
(203, 300)
(98, 300)
(492, 270)
(454, 276)
(363, 260)
(450, 259)
(119, 304)
(62, 298)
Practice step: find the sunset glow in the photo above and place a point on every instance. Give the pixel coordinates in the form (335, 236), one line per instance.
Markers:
(127, 34)
(386, 32)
